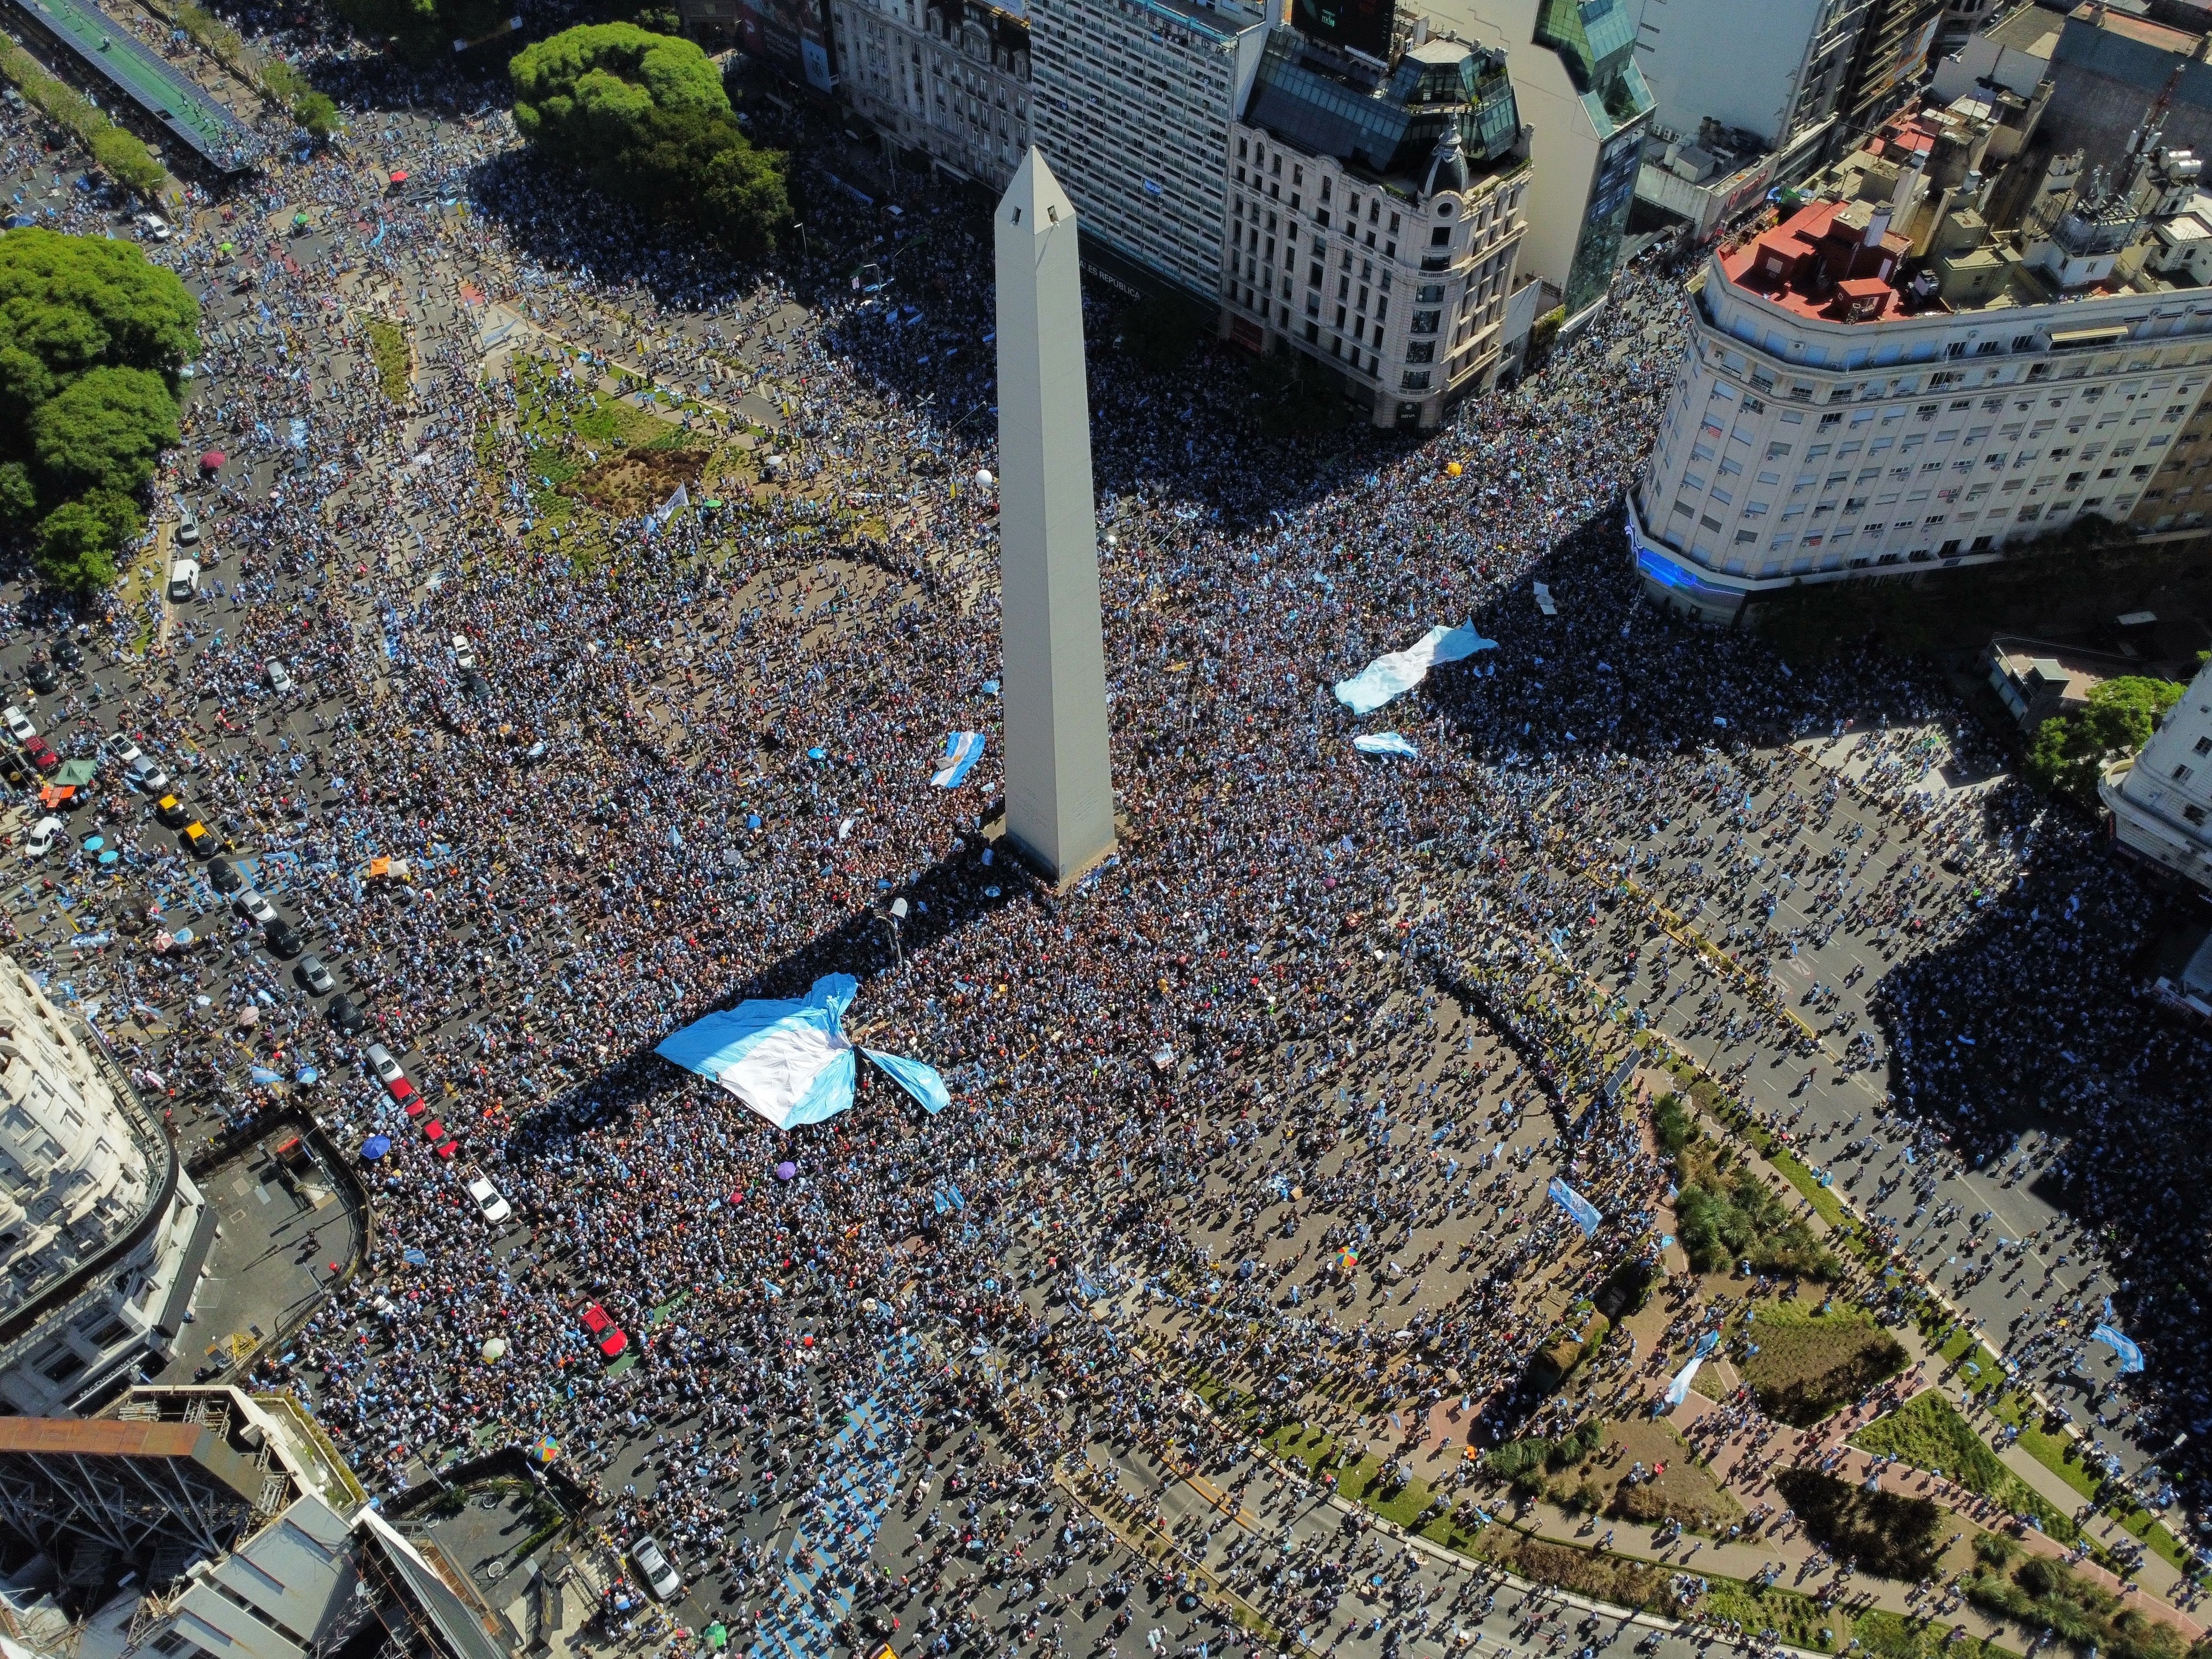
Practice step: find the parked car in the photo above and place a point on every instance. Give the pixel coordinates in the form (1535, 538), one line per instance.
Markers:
(40, 840)
(188, 531)
(280, 681)
(463, 656)
(65, 655)
(600, 1326)
(184, 581)
(171, 811)
(121, 750)
(42, 754)
(652, 1567)
(314, 977)
(489, 1205)
(389, 1074)
(43, 678)
(283, 938)
(223, 877)
(19, 724)
(199, 841)
(345, 1019)
(145, 775)
(251, 902)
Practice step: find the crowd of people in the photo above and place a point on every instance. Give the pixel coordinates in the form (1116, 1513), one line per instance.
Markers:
(686, 771)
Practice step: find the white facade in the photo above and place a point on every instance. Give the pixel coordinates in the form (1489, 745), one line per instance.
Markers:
(1809, 448)
(2161, 802)
(1781, 71)
(1133, 103)
(949, 77)
(81, 1167)
(1354, 275)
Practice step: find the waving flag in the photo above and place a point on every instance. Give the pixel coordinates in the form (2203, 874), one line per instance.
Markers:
(1583, 1212)
(962, 751)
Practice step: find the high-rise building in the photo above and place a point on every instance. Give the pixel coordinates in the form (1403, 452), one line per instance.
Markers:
(1838, 414)
(1780, 76)
(1131, 102)
(1887, 61)
(948, 77)
(1375, 216)
(102, 1234)
(1584, 100)
(2161, 800)
(1958, 24)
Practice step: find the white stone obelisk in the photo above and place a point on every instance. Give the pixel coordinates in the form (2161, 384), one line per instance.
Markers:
(1060, 784)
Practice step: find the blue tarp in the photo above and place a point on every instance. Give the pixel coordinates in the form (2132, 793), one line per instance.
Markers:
(1390, 676)
(792, 1061)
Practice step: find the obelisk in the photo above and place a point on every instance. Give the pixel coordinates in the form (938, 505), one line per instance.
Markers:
(1060, 784)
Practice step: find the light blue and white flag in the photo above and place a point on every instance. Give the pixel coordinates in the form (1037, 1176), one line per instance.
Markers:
(962, 751)
(1400, 671)
(2131, 1357)
(792, 1061)
(1385, 743)
(1584, 1213)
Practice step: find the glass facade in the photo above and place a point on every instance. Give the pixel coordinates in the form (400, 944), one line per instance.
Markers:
(1597, 40)
(1391, 130)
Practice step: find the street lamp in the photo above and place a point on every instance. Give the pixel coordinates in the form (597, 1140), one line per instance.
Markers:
(897, 916)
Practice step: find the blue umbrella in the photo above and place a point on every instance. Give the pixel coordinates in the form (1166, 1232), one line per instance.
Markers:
(108, 858)
(375, 1147)
(94, 843)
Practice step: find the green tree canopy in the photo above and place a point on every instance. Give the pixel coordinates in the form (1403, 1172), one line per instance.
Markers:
(644, 116)
(91, 339)
(2069, 752)
(103, 431)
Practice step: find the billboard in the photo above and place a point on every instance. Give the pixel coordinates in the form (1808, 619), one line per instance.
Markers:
(1362, 26)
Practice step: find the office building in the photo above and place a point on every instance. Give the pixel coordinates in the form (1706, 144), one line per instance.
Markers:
(1587, 108)
(102, 1234)
(1132, 101)
(1835, 417)
(1783, 68)
(950, 78)
(2161, 800)
(192, 1523)
(1375, 216)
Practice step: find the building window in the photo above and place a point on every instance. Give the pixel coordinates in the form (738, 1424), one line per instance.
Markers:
(1417, 379)
(2195, 815)
(1421, 351)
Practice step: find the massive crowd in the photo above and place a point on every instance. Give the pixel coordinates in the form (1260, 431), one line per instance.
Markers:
(697, 767)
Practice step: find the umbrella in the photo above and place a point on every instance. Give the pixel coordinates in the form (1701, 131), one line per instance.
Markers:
(400, 177)
(309, 1075)
(493, 1350)
(248, 1015)
(212, 461)
(94, 843)
(375, 1147)
(109, 858)
(718, 1635)
(786, 1171)
(545, 1450)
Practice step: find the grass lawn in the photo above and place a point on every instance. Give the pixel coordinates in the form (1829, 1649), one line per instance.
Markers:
(1928, 1432)
(394, 357)
(1686, 1492)
(1809, 1364)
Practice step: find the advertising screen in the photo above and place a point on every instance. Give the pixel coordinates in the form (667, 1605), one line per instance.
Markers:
(1362, 25)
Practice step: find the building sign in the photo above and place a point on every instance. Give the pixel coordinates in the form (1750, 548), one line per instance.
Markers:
(1656, 563)
(1365, 26)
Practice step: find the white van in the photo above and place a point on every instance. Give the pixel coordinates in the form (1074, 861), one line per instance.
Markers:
(184, 581)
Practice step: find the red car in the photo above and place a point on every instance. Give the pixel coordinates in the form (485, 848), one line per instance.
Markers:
(603, 1330)
(445, 1149)
(434, 1132)
(41, 753)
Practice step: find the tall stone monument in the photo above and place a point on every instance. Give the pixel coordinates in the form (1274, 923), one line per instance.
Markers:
(1060, 785)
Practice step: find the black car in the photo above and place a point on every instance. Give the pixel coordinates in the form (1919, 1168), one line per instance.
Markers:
(224, 876)
(346, 1019)
(284, 937)
(66, 655)
(42, 677)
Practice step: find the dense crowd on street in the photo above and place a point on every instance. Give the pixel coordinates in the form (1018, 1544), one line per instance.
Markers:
(695, 768)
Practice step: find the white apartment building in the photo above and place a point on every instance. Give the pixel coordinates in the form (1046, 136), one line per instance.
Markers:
(1828, 423)
(1361, 230)
(948, 77)
(1132, 104)
(2161, 800)
(102, 1235)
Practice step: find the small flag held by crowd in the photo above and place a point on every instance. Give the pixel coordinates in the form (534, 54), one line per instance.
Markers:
(1583, 1212)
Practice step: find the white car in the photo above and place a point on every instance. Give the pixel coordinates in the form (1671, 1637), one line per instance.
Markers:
(464, 657)
(148, 777)
(19, 724)
(188, 531)
(122, 749)
(280, 680)
(251, 903)
(652, 1567)
(156, 226)
(40, 840)
(494, 1208)
(184, 581)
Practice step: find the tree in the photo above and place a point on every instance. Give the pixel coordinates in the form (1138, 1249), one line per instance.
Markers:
(78, 542)
(2070, 752)
(644, 118)
(91, 339)
(103, 431)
